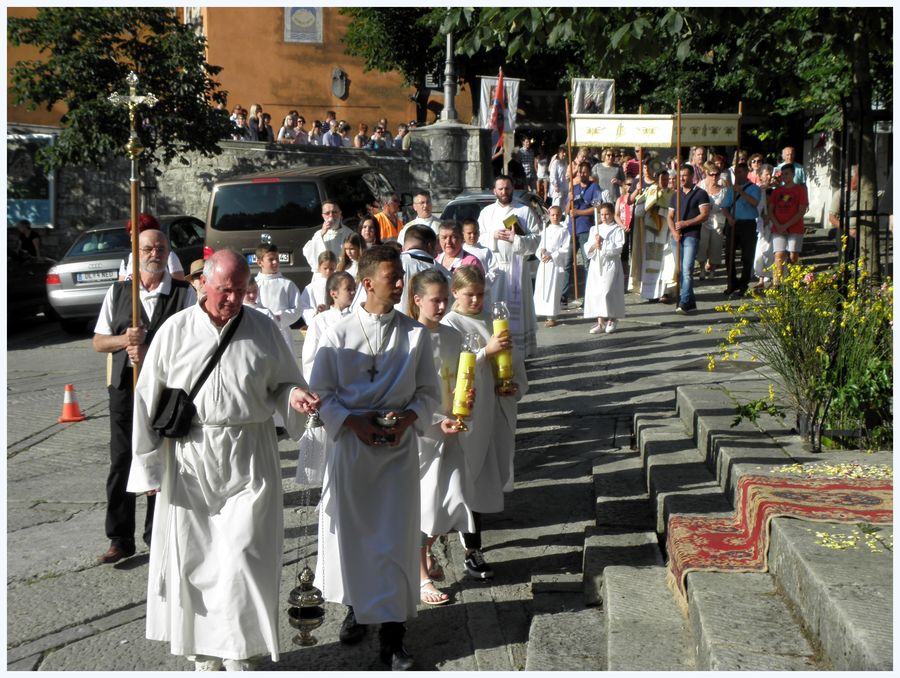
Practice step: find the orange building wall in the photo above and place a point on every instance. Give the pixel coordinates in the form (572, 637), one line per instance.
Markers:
(259, 67)
(21, 114)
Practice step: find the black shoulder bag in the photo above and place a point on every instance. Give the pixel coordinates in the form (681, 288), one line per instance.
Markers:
(175, 410)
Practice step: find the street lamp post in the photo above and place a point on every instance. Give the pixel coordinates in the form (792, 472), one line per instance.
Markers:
(449, 112)
(134, 149)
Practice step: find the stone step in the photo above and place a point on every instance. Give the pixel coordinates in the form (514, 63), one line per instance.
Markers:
(845, 597)
(620, 491)
(605, 547)
(740, 623)
(564, 634)
(645, 629)
(677, 477)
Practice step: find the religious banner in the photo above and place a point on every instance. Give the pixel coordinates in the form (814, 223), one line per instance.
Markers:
(30, 192)
(510, 100)
(593, 96)
(649, 131)
(303, 24)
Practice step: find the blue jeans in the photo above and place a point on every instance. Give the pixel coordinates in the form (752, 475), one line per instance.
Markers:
(688, 256)
(580, 239)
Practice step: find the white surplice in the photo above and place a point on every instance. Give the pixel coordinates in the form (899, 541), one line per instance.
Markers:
(442, 465)
(314, 446)
(368, 554)
(604, 294)
(513, 281)
(332, 240)
(215, 566)
(415, 261)
(488, 264)
(490, 443)
(281, 296)
(556, 242)
(312, 296)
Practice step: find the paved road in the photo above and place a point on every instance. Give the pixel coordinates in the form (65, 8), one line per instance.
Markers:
(65, 612)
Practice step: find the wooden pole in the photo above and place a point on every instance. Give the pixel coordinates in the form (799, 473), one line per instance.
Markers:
(678, 201)
(135, 260)
(570, 202)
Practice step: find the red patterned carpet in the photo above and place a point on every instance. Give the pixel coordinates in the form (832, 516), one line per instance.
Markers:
(741, 543)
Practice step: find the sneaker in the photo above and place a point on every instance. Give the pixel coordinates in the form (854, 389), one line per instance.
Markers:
(206, 663)
(597, 329)
(610, 326)
(477, 568)
(679, 309)
(550, 322)
(238, 664)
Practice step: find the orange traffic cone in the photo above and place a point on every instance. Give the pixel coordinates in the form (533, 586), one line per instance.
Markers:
(71, 411)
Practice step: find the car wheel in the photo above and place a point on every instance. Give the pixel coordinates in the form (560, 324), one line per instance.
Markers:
(73, 325)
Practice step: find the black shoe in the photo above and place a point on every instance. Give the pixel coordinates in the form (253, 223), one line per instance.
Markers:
(477, 568)
(351, 631)
(398, 660)
(280, 431)
(728, 290)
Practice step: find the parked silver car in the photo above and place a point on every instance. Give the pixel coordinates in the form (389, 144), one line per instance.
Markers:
(77, 284)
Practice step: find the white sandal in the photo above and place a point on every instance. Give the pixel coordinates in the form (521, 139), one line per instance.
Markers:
(423, 593)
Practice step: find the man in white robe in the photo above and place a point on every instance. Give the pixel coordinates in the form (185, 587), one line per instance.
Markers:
(422, 205)
(215, 567)
(511, 248)
(374, 362)
(330, 237)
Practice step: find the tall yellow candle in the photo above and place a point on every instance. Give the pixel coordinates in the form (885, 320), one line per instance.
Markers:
(465, 380)
(503, 360)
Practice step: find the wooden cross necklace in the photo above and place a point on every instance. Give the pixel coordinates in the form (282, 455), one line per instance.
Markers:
(372, 370)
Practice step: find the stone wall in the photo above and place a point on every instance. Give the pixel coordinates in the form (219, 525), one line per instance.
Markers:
(446, 160)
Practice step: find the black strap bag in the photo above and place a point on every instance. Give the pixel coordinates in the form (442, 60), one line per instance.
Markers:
(176, 410)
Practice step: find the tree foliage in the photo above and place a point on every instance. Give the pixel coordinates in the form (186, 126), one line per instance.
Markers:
(780, 61)
(88, 53)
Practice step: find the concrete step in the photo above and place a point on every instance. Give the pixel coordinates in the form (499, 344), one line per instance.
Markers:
(564, 634)
(677, 477)
(645, 629)
(740, 623)
(845, 597)
(606, 547)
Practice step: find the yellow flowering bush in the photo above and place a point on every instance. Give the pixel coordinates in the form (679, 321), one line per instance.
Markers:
(829, 337)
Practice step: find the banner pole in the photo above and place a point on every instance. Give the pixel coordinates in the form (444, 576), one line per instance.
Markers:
(730, 240)
(678, 266)
(570, 202)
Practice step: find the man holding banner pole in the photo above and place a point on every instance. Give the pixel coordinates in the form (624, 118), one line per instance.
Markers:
(691, 204)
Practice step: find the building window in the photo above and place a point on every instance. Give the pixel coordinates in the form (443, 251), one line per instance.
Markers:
(303, 24)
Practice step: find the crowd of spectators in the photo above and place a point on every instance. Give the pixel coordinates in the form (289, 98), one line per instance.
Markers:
(256, 125)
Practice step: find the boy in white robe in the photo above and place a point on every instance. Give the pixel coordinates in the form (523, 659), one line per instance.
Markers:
(375, 373)
(277, 293)
(314, 298)
(511, 231)
(553, 253)
(215, 566)
(485, 256)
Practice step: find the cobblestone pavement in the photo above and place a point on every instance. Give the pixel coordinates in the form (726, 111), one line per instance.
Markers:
(65, 612)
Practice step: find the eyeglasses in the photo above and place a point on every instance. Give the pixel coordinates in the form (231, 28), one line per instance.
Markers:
(155, 248)
(714, 174)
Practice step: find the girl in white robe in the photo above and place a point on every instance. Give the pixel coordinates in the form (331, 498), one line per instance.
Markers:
(353, 247)
(553, 252)
(442, 466)
(604, 294)
(313, 299)
(314, 446)
(489, 443)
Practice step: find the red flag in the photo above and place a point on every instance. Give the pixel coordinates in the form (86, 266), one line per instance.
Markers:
(498, 112)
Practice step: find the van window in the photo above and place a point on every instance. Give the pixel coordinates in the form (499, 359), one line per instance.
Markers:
(353, 193)
(266, 205)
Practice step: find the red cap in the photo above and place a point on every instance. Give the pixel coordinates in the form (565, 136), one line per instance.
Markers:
(145, 222)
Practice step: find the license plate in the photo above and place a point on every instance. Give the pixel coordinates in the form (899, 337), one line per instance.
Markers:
(96, 276)
(283, 258)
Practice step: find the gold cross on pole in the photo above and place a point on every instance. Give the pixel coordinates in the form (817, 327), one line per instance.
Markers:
(134, 149)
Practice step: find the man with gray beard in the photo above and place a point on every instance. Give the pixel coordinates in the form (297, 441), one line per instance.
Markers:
(161, 297)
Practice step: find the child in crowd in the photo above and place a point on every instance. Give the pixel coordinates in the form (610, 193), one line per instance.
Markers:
(251, 299)
(471, 233)
(490, 442)
(442, 465)
(277, 293)
(553, 253)
(353, 246)
(339, 289)
(604, 295)
(313, 299)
